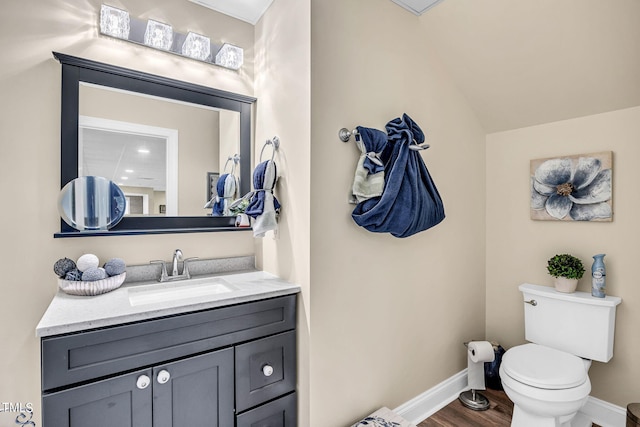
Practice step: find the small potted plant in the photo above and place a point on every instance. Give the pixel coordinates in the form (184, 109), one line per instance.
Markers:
(566, 270)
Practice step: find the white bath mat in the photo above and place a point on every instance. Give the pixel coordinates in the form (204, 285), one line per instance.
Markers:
(383, 417)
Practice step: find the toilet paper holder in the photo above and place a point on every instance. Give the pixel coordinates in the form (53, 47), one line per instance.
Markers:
(472, 399)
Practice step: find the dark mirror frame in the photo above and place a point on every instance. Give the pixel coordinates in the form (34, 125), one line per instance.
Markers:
(77, 70)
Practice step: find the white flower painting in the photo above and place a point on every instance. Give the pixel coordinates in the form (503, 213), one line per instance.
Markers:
(572, 188)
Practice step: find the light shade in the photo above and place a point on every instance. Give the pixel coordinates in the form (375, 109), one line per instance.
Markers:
(417, 7)
(230, 56)
(114, 22)
(158, 35)
(196, 46)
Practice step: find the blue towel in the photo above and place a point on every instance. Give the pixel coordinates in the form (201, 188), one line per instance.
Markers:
(264, 205)
(226, 191)
(410, 202)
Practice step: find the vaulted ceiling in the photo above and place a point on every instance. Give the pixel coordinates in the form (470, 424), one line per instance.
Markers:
(526, 62)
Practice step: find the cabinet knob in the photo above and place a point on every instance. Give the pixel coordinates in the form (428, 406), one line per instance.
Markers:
(163, 376)
(267, 370)
(143, 382)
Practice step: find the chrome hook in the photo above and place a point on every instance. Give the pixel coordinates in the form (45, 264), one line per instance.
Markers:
(345, 134)
(235, 159)
(418, 147)
(275, 143)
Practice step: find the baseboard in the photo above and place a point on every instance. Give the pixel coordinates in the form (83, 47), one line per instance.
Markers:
(604, 413)
(431, 401)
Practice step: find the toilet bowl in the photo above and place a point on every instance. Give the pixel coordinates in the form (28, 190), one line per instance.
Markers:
(547, 386)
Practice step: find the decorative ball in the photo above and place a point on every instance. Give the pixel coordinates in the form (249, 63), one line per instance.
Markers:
(94, 273)
(63, 266)
(115, 266)
(87, 261)
(74, 275)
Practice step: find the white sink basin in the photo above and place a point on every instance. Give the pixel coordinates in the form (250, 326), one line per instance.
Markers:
(184, 289)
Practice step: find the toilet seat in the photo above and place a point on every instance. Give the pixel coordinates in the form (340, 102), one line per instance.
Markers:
(543, 367)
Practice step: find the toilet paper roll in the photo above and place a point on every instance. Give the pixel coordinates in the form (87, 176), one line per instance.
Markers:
(478, 352)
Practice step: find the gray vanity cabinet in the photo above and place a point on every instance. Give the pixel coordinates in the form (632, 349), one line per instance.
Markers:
(279, 413)
(107, 403)
(195, 392)
(221, 367)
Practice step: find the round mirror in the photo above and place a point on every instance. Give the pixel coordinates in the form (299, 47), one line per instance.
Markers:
(91, 203)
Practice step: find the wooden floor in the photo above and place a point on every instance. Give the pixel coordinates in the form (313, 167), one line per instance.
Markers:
(456, 415)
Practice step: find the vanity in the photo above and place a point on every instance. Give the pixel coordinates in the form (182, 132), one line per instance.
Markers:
(222, 354)
(214, 350)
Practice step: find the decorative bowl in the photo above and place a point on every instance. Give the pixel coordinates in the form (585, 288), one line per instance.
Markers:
(95, 287)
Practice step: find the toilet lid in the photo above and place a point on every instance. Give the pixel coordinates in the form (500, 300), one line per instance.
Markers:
(543, 367)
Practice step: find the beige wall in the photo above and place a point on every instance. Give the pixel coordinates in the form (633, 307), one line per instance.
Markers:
(388, 315)
(30, 140)
(229, 139)
(518, 248)
(283, 109)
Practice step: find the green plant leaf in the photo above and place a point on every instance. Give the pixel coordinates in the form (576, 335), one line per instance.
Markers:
(565, 265)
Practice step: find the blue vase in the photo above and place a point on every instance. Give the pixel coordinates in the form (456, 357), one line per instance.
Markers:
(598, 276)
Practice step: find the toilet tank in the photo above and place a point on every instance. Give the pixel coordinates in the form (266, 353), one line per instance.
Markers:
(576, 323)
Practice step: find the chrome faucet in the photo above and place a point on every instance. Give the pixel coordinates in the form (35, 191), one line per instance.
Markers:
(177, 257)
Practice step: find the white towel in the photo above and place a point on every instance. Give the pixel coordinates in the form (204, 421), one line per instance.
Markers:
(366, 185)
(267, 220)
(384, 417)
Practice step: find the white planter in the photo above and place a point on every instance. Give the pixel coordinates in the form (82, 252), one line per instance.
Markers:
(565, 285)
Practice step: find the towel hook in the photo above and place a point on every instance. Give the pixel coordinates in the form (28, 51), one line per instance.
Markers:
(345, 134)
(275, 144)
(235, 159)
(418, 147)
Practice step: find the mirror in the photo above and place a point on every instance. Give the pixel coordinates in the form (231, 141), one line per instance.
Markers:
(91, 203)
(189, 131)
(134, 155)
(140, 141)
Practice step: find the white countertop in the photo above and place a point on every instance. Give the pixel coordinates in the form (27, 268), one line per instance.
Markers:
(70, 313)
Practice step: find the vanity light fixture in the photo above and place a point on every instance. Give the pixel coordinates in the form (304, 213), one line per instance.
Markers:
(158, 35)
(117, 23)
(230, 56)
(114, 22)
(197, 47)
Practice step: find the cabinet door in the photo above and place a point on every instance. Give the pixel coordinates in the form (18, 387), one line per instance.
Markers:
(278, 413)
(197, 391)
(123, 401)
(265, 369)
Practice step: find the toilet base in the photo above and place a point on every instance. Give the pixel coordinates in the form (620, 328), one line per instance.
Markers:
(581, 420)
(523, 419)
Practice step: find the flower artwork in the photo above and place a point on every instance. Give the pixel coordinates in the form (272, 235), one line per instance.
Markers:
(572, 188)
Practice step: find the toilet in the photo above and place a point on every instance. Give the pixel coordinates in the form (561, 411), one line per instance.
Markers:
(547, 379)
